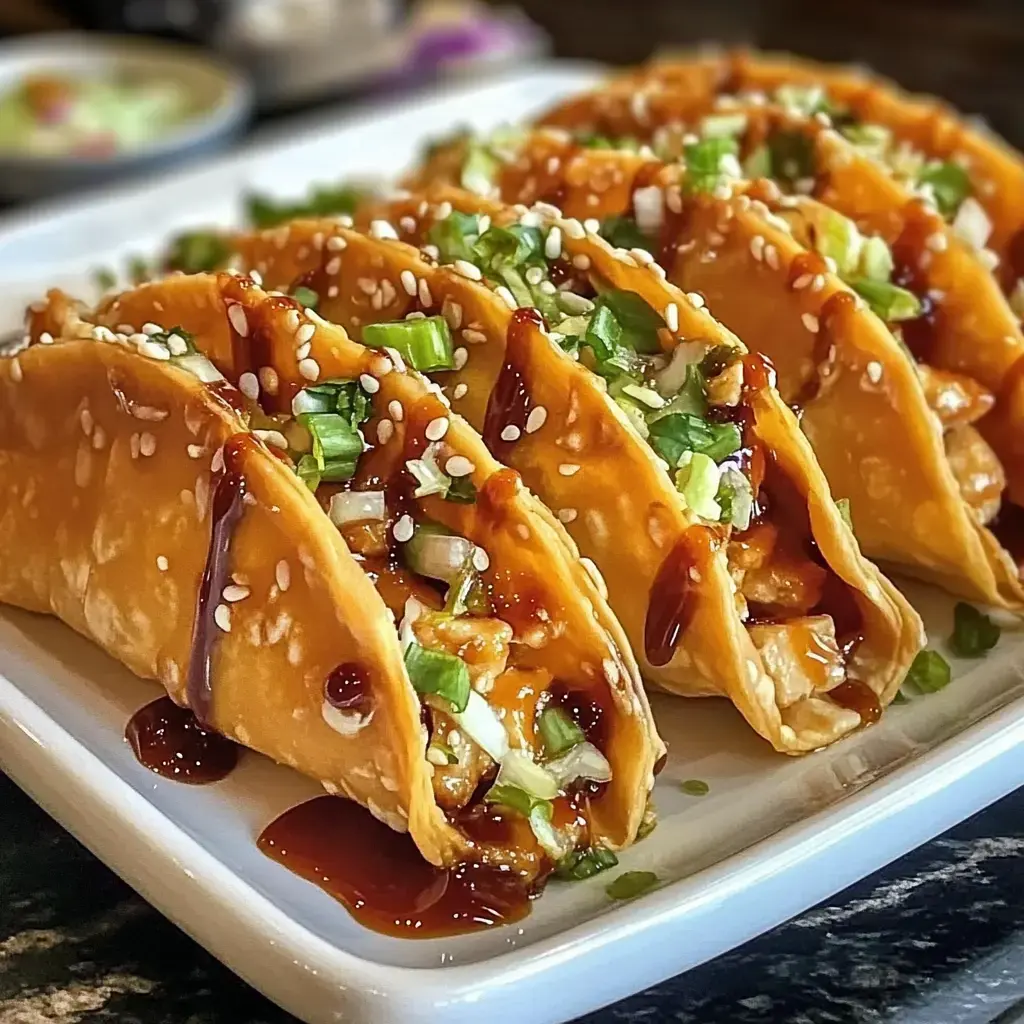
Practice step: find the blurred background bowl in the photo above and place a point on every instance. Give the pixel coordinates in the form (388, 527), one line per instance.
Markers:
(219, 96)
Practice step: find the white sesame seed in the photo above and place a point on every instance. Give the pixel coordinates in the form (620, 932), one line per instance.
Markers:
(147, 443)
(387, 290)
(151, 328)
(233, 592)
(217, 462)
(568, 469)
(624, 257)
(269, 380)
(408, 279)
(138, 338)
(133, 445)
(239, 321)
(176, 345)
(574, 229)
(367, 285)
(567, 515)
(336, 243)
(595, 575)
(407, 224)
(273, 438)
(757, 247)
(534, 275)
(802, 281)
(874, 371)
(481, 560)
(460, 356)
(937, 241)
(86, 421)
(396, 410)
(99, 437)
(592, 226)
(382, 229)
(222, 616)
(162, 563)
(404, 529)
(458, 465)
(810, 321)
(459, 391)
(510, 433)
(818, 283)
(195, 451)
(467, 269)
(416, 314)
(16, 372)
(370, 384)
(672, 317)
(506, 296)
(437, 428)
(452, 312)
(642, 256)
(304, 333)
(553, 243)
(385, 431)
(309, 368)
(581, 261)
(283, 575)
(333, 266)
(474, 337)
(431, 252)
(302, 352)
(771, 256)
(443, 211)
(426, 298)
(249, 385)
(537, 418)
(152, 350)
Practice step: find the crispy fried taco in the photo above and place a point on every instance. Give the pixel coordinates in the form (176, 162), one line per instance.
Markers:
(281, 556)
(906, 170)
(660, 444)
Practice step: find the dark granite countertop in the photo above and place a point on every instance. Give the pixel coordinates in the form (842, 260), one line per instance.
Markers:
(935, 938)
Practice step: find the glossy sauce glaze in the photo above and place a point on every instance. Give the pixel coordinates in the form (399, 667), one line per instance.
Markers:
(509, 403)
(226, 511)
(911, 255)
(348, 688)
(823, 356)
(169, 740)
(380, 877)
(857, 696)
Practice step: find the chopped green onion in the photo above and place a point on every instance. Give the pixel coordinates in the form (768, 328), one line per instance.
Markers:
(454, 236)
(736, 498)
(623, 233)
(466, 594)
(426, 344)
(581, 864)
(306, 297)
(558, 732)
(677, 433)
(436, 552)
(462, 490)
(843, 508)
(648, 823)
(876, 261)
(929, 672)
(949, 184)
(519, 769)
(195, 252)
(888, 301)
(873, 139)
(480, 170)
(687, 393)
(802, 99)
(309, 472)
(974, 633)
(695, 787)
(836, 237)
(323, 201)
(430, 478)
(697, 480)
(105, 278)
(440, 673)
(759, 163)
(449, 755)
(792, 156)
(705, 161)
(723, 126)
(336, 445)
(639, 323)
(513, 246)
(631, 884)
(347, 398)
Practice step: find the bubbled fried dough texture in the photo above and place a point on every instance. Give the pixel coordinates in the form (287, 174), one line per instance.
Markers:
(563, 622)
(105, 521)
(585, 448)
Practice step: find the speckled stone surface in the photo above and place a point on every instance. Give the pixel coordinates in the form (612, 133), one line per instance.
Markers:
(936, 938)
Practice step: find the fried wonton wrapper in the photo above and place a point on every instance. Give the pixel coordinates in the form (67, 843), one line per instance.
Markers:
(920, 498)
(672, 578)
(848, 149)
(307, 665)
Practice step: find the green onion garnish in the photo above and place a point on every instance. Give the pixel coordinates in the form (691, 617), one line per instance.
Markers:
(309, 472)
(888, 301)
(558, 732)
(623, 233)
(461, 490)
(105, 278)
(195, 252)
(695, 787)
(582, 864)
(306, 297)
(480, 170)
(638, 322)
(723, 126)
(345, 397)
(323, 201)
(630, 884)
(697, 480)
(873, 139)
(536, 810)
(680, 432)
(735, 497)
(974, 633)
(336, 445)
(440, 673)
(704, 162)
(455, 235)
(929, 672)
(426, 344)
(444, 750)
(513, 246)
(648, 823)
(876, 260)
(792, 156)
(949, 183)
(759, 163)
(836, 237)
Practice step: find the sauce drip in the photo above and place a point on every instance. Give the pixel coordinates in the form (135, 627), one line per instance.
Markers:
(380, 877)
(823, 356)
(908, 251)
(226, 511)
(510, 403)
(583, 709)
(169, 740)
(673, 597)
(806, 264)
(348, 688)
(857, 696)
(1009, 530)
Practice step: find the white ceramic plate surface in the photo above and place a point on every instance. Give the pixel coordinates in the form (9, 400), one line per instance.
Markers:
(773, 836)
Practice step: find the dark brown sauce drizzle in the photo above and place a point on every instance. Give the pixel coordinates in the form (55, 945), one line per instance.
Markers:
(907, 252)
(348, 688)
(857, 696)
(226, 511)
(169, 740)
(823, 356)
(673, 598)
(380, 877)
(509, 403)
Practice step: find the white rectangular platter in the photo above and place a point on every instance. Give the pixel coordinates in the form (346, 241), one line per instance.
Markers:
(773, 836)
